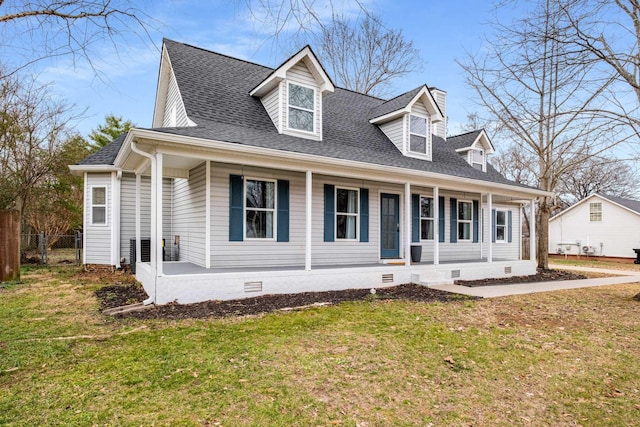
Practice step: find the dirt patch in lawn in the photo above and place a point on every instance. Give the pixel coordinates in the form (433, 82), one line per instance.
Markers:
(114, 296)
(540, 276)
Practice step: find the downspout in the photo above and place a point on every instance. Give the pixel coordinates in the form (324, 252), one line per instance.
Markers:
(135, 149)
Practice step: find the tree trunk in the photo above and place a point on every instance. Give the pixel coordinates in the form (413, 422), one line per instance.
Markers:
(9, 246)
(542, 230)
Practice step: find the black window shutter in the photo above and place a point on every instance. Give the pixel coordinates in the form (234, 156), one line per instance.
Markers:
(493, 225)
(441, 219)
(329, 213)
(415, 216)
(453, 231)
(364, 214)
(236, 208)
(509, 226)
(475, 221)
(283, 210)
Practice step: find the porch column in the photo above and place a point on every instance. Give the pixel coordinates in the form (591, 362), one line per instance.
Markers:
(156, 212)
(532, 231)
(436, 226)
(491, 231)
(207, 213)
(520, 233)
(308, 228)
(138, 244)
(407, 224)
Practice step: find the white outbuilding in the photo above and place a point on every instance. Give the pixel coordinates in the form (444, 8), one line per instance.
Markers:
(598, 225)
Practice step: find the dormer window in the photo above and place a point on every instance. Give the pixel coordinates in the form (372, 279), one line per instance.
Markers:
(417, 134)
(301, 108)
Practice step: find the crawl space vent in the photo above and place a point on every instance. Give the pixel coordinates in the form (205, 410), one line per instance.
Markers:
(253, 286)
(507, 270)
(387, 278)
(455, 274)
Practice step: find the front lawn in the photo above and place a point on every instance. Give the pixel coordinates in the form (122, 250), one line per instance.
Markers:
(565, 358)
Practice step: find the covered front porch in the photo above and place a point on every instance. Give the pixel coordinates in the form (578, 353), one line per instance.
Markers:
(193, 207)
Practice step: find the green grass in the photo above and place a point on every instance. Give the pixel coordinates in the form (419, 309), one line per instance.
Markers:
(596, 263)
(564, 358)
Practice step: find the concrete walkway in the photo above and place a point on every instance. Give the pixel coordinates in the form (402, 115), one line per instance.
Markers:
(621, 277)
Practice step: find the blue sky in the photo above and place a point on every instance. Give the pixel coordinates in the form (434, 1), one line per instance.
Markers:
(126, 81)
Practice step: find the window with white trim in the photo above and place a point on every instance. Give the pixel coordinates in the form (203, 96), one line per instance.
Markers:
(501, 226)
(260, 209)
(465, 220)
(347, 201)
(426, 218)
(99, 205)
(595, 211)
(477, 159)
(418, 134)
(301, 108)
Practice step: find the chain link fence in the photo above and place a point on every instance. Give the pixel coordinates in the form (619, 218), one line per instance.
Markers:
(42, 249)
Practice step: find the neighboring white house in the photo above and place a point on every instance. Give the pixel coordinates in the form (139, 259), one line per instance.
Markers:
(597, 225)
(256, 181)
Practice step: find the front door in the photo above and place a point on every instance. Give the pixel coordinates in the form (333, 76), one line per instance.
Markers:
(389, 226)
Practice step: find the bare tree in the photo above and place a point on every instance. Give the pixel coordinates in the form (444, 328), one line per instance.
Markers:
(362, 53)
(364, 56)
(37, 29)
(542, 94)
(32, 129)
(608, 176)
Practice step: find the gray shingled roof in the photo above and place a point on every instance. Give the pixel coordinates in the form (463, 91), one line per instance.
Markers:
(634, 205)
(464, 140)
(215, 90)
(107, 154)
(394, 104)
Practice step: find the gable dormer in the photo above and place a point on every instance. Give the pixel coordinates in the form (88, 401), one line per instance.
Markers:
(474, 147)
(292, 95)
(408, 121)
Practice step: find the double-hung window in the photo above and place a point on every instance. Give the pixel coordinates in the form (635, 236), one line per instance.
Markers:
(346, 214)
(501, 226)
(301, 107)
(465, 220)
(417, 134)
(595, 212)
(477, 159)
(98, 205)
(426, 218)
(260, 209)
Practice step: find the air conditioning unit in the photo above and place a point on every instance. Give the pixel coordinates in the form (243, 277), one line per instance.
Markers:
(559, 250)
(589, 250)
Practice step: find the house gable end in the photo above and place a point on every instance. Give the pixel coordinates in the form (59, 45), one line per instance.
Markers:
(169, 109)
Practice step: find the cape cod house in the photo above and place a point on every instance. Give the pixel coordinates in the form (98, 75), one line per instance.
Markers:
(255, 180)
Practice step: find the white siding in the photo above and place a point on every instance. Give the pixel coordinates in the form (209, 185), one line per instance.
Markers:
(299, 73)
(440, 129)
(128, 212)
(617, 231)
(503, 250)
(174, 112)
(394, 131)
(253, 253)
(188, 212)
(98, 237)
(271, 103)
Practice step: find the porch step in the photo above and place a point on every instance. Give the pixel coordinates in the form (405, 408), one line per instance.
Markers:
(431, 278)
(126, 309)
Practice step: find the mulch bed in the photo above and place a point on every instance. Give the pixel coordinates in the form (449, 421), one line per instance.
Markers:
(123, 294)
(117, 295)
(540, 276)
